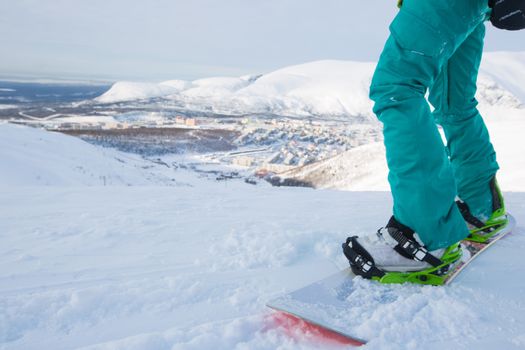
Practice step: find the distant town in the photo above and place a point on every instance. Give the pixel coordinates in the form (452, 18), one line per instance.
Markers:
(260, 144)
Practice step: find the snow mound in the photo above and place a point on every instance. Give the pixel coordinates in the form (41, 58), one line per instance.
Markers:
(364, 168)
(361, 168)
(32, 157)
(507, 69)
(490, 93)
(321, 88)
(129, 91)
(8, 106)
(317, 88)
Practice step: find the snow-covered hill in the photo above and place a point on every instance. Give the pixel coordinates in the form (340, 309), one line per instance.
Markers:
(506, 69)
(359, 169)
(364, 167)
(323, 88)
(317, 88)
(34, 157)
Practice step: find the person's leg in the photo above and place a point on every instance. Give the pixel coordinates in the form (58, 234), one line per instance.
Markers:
(424, 35)
(471, 154)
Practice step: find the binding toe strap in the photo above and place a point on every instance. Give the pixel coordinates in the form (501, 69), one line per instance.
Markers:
(361, 261)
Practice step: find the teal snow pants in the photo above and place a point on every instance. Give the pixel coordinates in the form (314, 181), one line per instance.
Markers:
(435, 46)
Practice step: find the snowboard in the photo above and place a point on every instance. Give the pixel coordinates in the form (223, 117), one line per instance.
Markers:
(331, 307)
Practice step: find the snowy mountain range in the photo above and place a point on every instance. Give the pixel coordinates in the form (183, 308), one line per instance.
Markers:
(323, 88)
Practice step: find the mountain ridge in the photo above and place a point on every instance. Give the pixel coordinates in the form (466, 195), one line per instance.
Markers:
(319, 88)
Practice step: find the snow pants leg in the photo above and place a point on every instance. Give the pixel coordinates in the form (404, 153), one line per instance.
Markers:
(425, 35)
(472, 156)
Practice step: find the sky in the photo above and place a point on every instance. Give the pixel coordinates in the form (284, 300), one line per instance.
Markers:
(188, 39)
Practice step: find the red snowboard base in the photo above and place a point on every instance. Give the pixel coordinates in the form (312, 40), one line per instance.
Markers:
(295, 326)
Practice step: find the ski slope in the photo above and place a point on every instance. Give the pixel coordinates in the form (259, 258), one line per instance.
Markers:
(105, 250)
(32, 157)
(137, 267)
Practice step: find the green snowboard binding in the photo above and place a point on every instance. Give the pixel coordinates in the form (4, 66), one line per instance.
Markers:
(435, 276)
(486, 231)
(395, 255)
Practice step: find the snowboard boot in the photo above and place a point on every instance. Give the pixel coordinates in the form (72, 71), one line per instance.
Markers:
(483, 231)
(395, 255)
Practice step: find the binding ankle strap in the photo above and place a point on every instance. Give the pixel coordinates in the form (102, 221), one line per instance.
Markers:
(467, 215)
(408, 247)
(414, 250)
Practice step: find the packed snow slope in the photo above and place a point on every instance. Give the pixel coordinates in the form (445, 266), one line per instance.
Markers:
(191, 266)
(33, 157)
(322, 88)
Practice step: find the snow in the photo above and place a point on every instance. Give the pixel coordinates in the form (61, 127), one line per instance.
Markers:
(328, 88)
(364, 168)
(317, 88)
(84, 119)
(101, 249)
(120, 267)
(506, 130)
(506, 69)
(33, 157)
(7, 106)
(324, 87)
(138, 268)
(359, 169)
(125, 91)
(127, 261)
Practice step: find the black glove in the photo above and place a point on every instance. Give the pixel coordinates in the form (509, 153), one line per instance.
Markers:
(508, 14)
